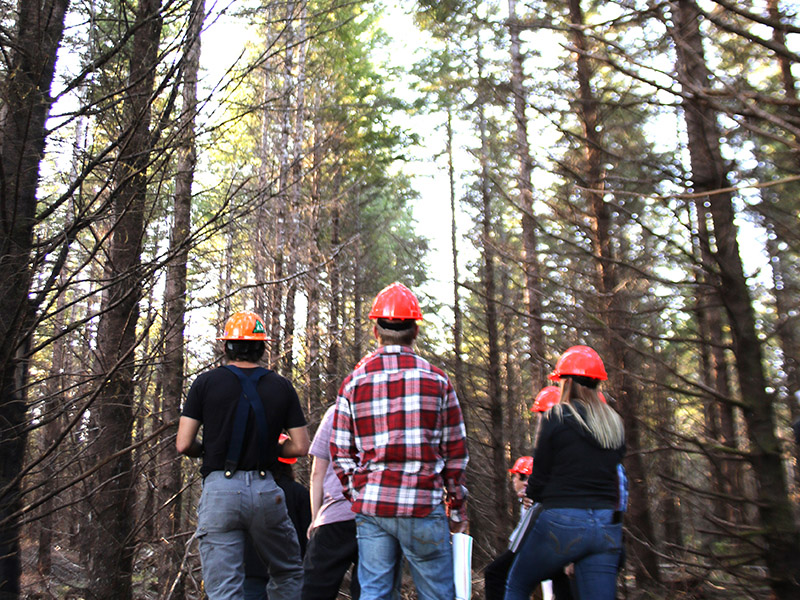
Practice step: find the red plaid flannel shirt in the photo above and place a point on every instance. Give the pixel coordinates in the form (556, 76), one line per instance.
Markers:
(399, 442)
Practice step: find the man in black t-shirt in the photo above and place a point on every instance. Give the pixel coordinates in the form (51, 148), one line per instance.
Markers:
(243, 408)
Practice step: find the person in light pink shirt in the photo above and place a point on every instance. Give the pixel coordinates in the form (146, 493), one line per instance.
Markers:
(332, 546)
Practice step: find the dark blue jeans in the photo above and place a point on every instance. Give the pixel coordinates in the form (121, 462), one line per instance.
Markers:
(587, 537)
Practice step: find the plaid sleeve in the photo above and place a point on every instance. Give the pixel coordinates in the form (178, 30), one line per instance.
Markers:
(454, 451)
(343, 448)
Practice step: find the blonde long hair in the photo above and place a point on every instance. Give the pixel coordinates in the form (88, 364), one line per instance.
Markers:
(600, 420)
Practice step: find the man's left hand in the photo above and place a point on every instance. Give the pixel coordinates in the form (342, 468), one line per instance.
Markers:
(459, 526)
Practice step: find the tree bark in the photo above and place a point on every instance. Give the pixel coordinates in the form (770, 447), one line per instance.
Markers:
(709, 174)
(489, 292)
(719, 414)
(335, 306)
(113, 504)
(613, 308)
(170, 476)
(531, 267)
(313, 331)
(25, 106)
(458, 327)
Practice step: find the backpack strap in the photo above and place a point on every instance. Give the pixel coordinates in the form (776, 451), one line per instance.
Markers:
(249, 399)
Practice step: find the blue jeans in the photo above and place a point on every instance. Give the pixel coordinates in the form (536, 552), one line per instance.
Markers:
(230, 509)
(424, 541)
(587, 537)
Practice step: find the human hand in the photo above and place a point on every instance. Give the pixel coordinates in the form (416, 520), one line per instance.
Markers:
(459, 526)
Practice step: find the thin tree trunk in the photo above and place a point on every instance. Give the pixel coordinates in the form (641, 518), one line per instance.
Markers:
(531, 266)
(709, 174)
(488, 284)
(639, 519)
(276, 289)
(295, 190)
(786, 289)
(785, 286)
(170, 476)
(53, 407)
(335, 306)
(313, 370)
(720, 420)
(113, 504)
(24, 109)
(458, 327)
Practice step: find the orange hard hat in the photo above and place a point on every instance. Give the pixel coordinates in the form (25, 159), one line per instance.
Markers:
(523, 466)
(245, 326)
(289, 461)
(580, 361)
(549, 396)
(396, 302)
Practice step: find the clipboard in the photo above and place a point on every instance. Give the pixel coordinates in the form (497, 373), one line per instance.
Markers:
(462, 565)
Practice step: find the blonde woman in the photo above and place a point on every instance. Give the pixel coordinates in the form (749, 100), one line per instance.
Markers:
(580, 443)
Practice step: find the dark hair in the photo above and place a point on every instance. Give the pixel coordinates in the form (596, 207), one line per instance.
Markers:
(246, 350)
(399, 332)
(588, 382)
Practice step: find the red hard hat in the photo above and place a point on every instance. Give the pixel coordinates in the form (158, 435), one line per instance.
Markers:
(396, 302)
(245, 326)
(523, 466)
(581, 361)
(549, 396)
(289, 461)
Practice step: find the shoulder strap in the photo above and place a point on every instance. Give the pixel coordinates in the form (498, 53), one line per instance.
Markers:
(248, 400)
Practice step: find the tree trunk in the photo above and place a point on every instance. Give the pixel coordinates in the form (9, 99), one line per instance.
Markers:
(786, 286)
(458, 327)
(719, 417)
(170, 476)
(489, 292)
(613, 307)
(313, 331)
(54, 407)
(282, 216)
(24, 109)
(531, 266)
(786, 289)
(335, 306)
(709, 174)
(295, 190)
(111, 561)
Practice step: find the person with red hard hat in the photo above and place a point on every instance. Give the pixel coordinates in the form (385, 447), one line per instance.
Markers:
(332, 544)
(243, 408)
(399, 449)
(546, 399)
(580, 444)
(495, 573)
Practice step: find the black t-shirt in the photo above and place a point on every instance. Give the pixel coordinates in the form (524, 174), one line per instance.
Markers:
(212, 400)
(570, 469)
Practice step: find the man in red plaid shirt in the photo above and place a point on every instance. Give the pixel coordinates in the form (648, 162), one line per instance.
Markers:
(399, 449)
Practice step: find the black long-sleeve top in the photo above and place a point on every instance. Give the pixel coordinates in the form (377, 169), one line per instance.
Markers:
(570, 468)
